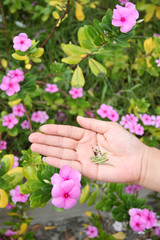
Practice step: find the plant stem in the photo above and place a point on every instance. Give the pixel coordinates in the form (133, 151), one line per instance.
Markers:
(5, 30)
(28, 118)
(55, 26)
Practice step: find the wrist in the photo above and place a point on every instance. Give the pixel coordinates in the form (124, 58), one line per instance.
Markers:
(150, 170)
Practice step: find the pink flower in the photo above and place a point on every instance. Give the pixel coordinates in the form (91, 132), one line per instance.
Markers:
(124, 122)
(25, 124)
(66, 194)
(155, 121)
(113, 115)
(9, 120)
(76, 92)
(19, 110)
(157, 231)
(22, 42)
(135, 211)
(17, 196)
(90, 113)
(137, 187)
(36, 116)
(156, 35)
(17, 75)
(16, 163)
(139, 129)
(10, 206)
(9, 85)
(52, 88)
(122, 2)
(132, 118)
(125, 17)
(137, 223)
(158, 62)
(3, 145)
(146, 119)
(66, 173)
(129, 189)
(150, 217)
(9, 233)
(104, 110)
(43, 116)
(92, 232)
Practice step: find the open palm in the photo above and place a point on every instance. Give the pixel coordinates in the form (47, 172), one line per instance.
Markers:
(74, 146)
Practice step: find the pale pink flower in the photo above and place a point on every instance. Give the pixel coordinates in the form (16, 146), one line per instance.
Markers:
(150, 217)
(125, 17)
(9, 120)
(139, 129)
(129, 189)
(137, 223)
(65, 194)
(156, 35)
(10, 206)
(25, 124)
(36, 116)
(9, 233)
(16, 163)
(76, 92)
(17, 196)
(146, 119)
(132, 127)
(122, 2)
(92, 231)
(17, 75)
(66, 173)
(157, 231)
(52, 88)
(9, 85)
(3, 145)
(104, 110)
(19, 110)
(137, 187)
(155, 121)
(43, 116)
(124, 122)
(132, 118)
(113, 115)
(134, 212)
(22, 42)
(158, 62)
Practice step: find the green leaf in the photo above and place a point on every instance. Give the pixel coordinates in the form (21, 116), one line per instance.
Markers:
(13, 132)
(97, 26)
(107, 20)
(72, 59)
(24, 189)
(30, 172)
(77, 80)
(71, 49)
(97, 69)
(45, 198)
(92, 198)
(34, 185)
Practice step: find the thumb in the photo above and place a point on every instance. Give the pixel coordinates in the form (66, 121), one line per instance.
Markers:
(95, 125)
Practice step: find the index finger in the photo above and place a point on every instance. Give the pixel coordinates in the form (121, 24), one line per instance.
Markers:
(63, 130)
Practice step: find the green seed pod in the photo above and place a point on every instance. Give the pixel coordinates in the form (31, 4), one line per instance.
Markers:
(84, 194)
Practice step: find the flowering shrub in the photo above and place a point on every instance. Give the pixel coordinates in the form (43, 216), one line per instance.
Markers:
(57, 62)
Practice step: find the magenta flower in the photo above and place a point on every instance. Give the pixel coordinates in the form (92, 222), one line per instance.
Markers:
(137, 187)
(17, 75)
(52, 88)
(66, 173)
(113, 115)
(22, 42)
(158, 62)
(125, 17)
(19, 110)
(92, 232)
(129, 189)
(104, 110)
(135, 211)
(17, 196)
(157, 231)
(90, 113)
(150, 217)
(137, 223)
(25, 124)
(16, 163)
(139, 129)
(9, 233)
(9, 85)
(122, 2)
(156, 35)
(66, 194)
(3, 145)
(10, 206)
(9, 120)
(155, 121)
(76, 92)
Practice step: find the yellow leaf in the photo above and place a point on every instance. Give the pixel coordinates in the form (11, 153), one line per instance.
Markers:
(23, 228)
(20, 238)
(79, 12)
(9, 160)
(119, 235)
(49, 227)
(148, 61)
(149, 45)
(3, 198)
(28, 66)
(13, 103)
(15, 170)
(13, 214)
(78, 80)
(88, 213)
(55, 15)
(93, 5)
(4, 63)
(18, 57)
(158, 12)
(55, 3)
(39, 52)
(71, 59)
(148, 16)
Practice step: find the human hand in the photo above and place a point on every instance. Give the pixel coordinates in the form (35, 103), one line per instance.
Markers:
(73, 146)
